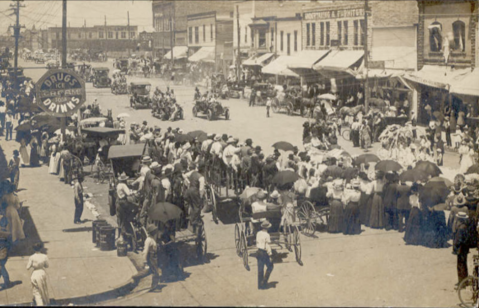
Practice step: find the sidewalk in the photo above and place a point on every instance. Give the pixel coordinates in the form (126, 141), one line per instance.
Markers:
(77, 268)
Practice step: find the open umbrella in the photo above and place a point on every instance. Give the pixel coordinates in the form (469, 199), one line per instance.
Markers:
(327, 96)
(285, 177)
(25, 126)
(429, 168)
(366, 158)
(164, 212)
(433, 193)
(199, 134)
(443, 180)
(473, 169)
(123, 115)
(283, 145)
(388, 165)
(183, 138)
(413, 176)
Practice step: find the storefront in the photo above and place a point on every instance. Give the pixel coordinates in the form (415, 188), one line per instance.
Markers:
(279, 73)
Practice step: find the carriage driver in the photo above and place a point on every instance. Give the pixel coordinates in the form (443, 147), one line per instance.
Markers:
(194, 194)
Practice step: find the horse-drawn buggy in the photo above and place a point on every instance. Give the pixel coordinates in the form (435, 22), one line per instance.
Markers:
(263, 92)
(140, 95)
(212, 110)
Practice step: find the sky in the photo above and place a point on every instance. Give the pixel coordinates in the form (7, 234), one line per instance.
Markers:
(46, 14)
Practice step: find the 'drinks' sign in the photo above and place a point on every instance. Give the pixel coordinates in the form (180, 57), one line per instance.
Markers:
(60, 92)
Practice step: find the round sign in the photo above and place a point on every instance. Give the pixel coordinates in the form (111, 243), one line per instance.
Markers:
(60, 92)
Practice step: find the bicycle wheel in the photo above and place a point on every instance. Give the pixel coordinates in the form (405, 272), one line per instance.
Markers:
(468, 291)
(346, 134)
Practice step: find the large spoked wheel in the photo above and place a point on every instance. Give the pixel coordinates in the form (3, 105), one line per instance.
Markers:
(201, 244)
(297, 245)
(238, 240)
(346, 134)
(468, 291)
(211, 199)
(288, 235)
(307, 218)
(210, 115)
(138, 236)
(244, 251)
(104, 173)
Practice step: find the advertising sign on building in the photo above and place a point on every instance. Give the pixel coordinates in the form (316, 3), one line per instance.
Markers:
(60, 92)
(334, 14)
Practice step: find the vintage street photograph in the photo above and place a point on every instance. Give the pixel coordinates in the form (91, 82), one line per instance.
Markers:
(281, 153)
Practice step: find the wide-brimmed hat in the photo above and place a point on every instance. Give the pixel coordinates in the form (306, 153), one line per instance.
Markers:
(265, 224)
(210, 135)
(155, 165)
(217, 138)
(146, 160)
(355, 184)
(459, 200)
(151, 229)
(462, 215)
(123, 177)
(338, 184)
(230, 140)
(167, 169)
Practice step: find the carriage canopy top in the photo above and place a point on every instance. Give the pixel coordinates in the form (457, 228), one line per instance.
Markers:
(130, 150)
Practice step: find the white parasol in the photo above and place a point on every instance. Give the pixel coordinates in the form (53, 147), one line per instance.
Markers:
(123, 115)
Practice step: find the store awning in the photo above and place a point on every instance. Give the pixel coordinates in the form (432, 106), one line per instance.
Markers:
(205, 54)
(306, 59)
(279, 67)
(257, 61)
(179, 52)
(340, 61)
(437, 76)
(469, 85)
(380, 73)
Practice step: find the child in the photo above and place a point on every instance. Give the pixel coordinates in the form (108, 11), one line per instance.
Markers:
(268, 106)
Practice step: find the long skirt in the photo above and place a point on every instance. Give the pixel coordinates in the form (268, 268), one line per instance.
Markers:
(40, 287)
(413, 233)
(15, 176)
(364, 208)
(352, 224)
(52, 165)
(25, 157)
(435, 230)
(34, 157)
(376, 219)
(336, 217)
(61, 172)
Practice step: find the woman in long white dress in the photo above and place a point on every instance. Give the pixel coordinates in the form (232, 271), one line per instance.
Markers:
(25, 157)
(467, 157)
(39, 261)
(51, 166)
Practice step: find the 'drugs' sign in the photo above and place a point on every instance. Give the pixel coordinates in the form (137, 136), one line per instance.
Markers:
(60, 92)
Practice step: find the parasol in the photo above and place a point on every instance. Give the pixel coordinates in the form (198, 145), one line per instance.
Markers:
(443, 180)
(429, 168)
(433, 193)
(413, 176)
(248, 192)
(388, 165)
(25, 126)
(285, 177)
(164, 212)
(283, 145)
(327, 96)
(366, 158)
(473, 169)
(123, 115)
(199, 134)
(183, 138)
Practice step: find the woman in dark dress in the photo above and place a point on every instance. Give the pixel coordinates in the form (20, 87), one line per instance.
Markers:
(336, 214)
(352, 224)
(377, 219)
(365, 200)
(413, 233)
(34, 157)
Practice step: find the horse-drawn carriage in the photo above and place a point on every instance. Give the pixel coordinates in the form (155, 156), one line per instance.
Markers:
(212, 110)
(263, 92)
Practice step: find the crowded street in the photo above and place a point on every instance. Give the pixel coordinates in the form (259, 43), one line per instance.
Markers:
(153, 170)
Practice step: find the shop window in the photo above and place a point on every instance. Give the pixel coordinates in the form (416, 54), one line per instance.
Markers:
(328, 30)
(190, 35)
(356, 32)
(459, 30)
(295, 40)
(345, 30)
(204, 33)
(197, 35)
(288, 43)
(313, 34)
(362, 33)
(435, 36)
(321, 34)
(308, 42)
(340, 24)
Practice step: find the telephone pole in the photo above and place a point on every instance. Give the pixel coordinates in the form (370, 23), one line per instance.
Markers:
(238, 55)
(16, 34)
(64, 54)
(366, 56)
(171, 42)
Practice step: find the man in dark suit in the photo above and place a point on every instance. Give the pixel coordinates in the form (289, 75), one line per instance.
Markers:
(403, 205)
(461, 245)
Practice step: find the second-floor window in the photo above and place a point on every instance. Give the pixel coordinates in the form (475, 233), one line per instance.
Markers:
(90, 35)
(79, 35)
(356, 32)
(123, 35)
(295, 40)
(132, 34)
(190, 35)
(100, 35)
(459, 30)
(328, 29)
(288, 43)
(362, 33)
(345, 31)
(321, 34)
(197, 35)
(204, 33)
(110, 35)
(58, 35)
(435, 36)
(308, 34)
(340, 31)
(313, 34)
(262, 38)
(246, 34)
(281, 40)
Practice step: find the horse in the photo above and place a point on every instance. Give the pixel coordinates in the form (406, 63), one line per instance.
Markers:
(350, 111)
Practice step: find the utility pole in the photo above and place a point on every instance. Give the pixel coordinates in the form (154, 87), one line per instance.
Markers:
(106, 36)
(16, 34)
(128, 28)
(64, 54)
(366, 57)
(171, 42)
(238, 55)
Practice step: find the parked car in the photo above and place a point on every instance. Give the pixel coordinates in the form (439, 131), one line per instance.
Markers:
(140, 95)
(100, 77)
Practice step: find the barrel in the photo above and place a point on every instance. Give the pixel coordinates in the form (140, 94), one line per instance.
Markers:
(94, 228)
(98, 227)
(121, 248)
(107, 238)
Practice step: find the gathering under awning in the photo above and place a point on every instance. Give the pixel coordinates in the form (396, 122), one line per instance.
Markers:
(279, 66)
(257, 61)
(204, 54)
(469, 85)
(437, 76)
(340, 61)
(179, 52)
(304, 60)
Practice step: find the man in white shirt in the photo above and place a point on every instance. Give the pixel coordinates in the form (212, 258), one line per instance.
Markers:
(206, 143)
(150, 253)
(264, 255)
(217, 147)
(9, 125)
(146, 161)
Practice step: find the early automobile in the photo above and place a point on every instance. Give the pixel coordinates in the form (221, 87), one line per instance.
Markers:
(100, 77)
(122, 65)
(140, 95)
(211, 109)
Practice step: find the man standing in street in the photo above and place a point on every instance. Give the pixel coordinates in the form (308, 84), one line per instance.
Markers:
(3, 111)
(194, 194)
(78, 189)
(150, 252)
(264, 255)
(461, 245)
(9, 125)
(268, 106)
(252, 98)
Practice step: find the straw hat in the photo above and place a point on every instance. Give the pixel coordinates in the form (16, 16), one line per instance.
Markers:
(230, 140)
(146, 160)
(155, 165)
(123, 177)
(355, 184)
(265, 224)
(151, 229)
(217, 138)
(462, 215)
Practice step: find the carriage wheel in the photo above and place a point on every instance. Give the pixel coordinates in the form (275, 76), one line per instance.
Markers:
(210, 115)
(195, 111)
(346, 134)
(238, 240)
(211, 198)
(201, 243)
(307, 217)
(135, 237)
(297, 245)
(244, 251)
(468, 291)
(288, 235)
